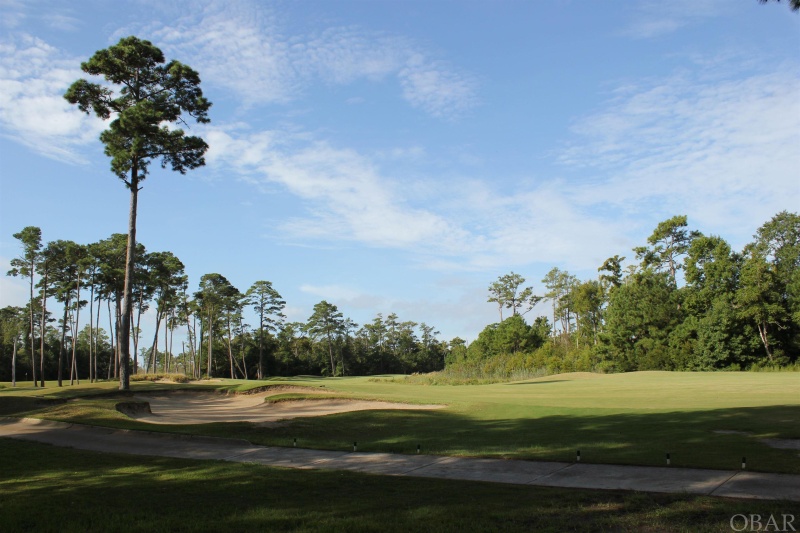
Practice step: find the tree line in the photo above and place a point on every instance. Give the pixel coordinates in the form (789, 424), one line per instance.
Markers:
(687, 302)
(215, 339)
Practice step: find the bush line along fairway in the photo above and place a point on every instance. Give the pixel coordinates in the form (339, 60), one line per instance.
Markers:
(704, 420)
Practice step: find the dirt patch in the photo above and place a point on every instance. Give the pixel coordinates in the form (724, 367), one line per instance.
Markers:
(134, 409)
(783, 444)
(187, 407)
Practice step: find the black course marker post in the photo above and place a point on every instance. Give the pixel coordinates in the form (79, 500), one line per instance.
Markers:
(744, 463)
(418, 447)
(355, 446)
(668, 459)
(578, 456)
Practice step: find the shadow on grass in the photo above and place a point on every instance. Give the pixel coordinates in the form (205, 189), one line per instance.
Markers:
(629, 438)
(546, 434)
(55, 489)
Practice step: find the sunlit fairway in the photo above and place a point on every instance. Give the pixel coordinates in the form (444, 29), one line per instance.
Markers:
(708, 420)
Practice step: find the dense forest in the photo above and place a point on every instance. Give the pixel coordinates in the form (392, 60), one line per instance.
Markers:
(687, 302)
(83, 342)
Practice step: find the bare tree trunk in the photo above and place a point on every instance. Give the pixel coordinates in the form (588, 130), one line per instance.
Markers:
(152, 358)
(94, 338)
(209, 338)
(125, 334)
(63, 341)
(33, 340)
(112, 333)
(75, 331)
(762, 332)
(91, 329)
(171, 338)
(166, 348)
(230, 348)
(14, 362)
(43, 328)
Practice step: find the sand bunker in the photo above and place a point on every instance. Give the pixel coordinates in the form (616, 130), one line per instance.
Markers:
(207, 407)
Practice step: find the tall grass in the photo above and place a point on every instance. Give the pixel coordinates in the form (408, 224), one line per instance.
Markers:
(548, 360)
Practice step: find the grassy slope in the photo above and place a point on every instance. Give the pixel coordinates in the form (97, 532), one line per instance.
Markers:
(622, 418)
(43, 488)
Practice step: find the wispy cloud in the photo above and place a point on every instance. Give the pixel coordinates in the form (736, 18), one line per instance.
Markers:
(33, 79)
(654, 18)
(245, 48)
(720, 148)
(463, 226)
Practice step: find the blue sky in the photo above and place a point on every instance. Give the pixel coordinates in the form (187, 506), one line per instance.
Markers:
(398, 156)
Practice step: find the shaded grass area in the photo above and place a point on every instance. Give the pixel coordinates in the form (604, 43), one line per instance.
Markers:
(46, 488)
(618, 419)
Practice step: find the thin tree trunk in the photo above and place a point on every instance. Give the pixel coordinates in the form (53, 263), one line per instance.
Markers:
(762, 332)
(171, 338)
(63, 341)
(230, 348)
(91, 329)
(166, 348)
(125, 334)
(112, 333)
(14, 362)
(152, 359)
(208, 341)
(244, 362)
(136, 333)
(33, 340)
(75, 332)
(43, 328)
(94, 338)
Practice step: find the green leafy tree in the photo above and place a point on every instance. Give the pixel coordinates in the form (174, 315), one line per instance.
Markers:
(326, 322)
(268, 305)
(25, 265)
(668, 243)
(214, 297)
(613, 267)
(12, 330)
(507, 292)
(152, 96)
(641, 313)
(166, 280)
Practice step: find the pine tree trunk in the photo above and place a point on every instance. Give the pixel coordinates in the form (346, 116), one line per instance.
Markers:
(152, 359)
(63, 341)
(14, 363)
(91, 330)
(127, 307)
(43, 328)
(75, 332)
(33, 340)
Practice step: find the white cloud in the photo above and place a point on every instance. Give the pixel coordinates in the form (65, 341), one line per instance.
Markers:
(33, 79)
(722, 150)
(244, 47)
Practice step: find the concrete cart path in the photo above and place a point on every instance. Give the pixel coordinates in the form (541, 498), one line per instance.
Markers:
(739, 484)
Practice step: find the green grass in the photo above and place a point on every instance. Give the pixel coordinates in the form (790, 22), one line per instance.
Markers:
(621, 418)
(44, 488)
